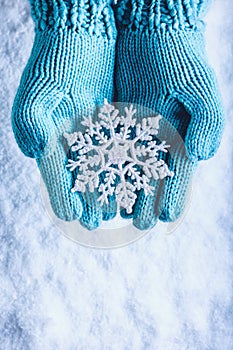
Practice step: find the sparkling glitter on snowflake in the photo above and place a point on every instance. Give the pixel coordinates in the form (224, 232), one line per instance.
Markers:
(117, 155)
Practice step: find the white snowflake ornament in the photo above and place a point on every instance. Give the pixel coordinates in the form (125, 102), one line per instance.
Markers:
(117, 155)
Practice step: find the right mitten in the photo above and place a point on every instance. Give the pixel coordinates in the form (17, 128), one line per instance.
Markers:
(161, 63)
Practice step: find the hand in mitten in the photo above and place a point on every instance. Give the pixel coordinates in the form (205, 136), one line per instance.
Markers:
(161, 63)
(69, 72)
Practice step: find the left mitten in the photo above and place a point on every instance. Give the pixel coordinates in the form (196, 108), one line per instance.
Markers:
(69, 72)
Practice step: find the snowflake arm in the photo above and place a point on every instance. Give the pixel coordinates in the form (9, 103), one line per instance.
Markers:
(125, 195)
(107, 187)
(147, 128)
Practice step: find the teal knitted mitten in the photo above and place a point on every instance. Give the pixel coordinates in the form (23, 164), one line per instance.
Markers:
(161, 63)
(69, 72)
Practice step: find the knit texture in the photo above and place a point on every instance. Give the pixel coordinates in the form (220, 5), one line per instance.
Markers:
(69, 73)
(163, 65)
(92, 16)
(152, 14)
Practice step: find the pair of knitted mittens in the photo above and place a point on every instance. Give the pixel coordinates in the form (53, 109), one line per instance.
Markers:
(154, 53)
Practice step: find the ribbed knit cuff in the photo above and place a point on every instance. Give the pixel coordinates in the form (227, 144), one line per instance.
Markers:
(151, 14)
(92, 16)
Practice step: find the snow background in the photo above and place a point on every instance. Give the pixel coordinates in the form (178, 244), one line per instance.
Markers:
(163, 292)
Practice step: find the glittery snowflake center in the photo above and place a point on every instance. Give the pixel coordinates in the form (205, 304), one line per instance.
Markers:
(117, 155)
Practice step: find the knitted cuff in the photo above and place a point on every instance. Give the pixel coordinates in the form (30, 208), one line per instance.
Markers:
(92, 16)
(151, 14)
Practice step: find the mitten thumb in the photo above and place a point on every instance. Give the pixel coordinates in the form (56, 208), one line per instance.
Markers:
(32, 122)
(204, 132)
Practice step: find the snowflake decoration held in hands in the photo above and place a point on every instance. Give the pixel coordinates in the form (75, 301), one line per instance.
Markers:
(117, 155)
